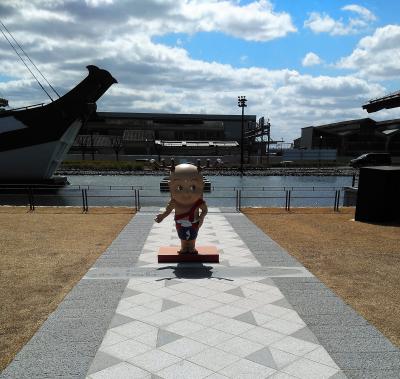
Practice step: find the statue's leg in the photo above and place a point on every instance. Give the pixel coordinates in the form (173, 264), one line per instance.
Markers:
(191, 246)
(184, 247)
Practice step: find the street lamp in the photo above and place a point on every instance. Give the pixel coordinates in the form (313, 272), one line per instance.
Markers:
(241, 104)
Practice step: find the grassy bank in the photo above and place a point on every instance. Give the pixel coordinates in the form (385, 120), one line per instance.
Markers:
(359, 261)
(43, 254)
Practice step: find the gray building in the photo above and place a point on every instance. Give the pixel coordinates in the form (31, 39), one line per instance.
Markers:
(155, 133)
(353, 137)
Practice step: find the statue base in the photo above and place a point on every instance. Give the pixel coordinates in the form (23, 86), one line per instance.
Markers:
(206, 254)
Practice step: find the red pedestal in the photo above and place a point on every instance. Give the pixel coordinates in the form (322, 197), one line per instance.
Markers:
(169, 254)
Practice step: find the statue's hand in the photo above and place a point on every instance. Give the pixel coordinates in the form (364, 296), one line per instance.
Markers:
(159, 218)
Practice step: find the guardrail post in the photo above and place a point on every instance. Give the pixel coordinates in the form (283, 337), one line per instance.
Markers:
(138, 200)
(31, 199)
(86, 201)
(338, 200)
(240, 200)
(290, 195)
(237, 200)
(83, 201)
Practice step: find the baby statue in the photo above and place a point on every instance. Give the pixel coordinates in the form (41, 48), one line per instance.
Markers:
(186, 187)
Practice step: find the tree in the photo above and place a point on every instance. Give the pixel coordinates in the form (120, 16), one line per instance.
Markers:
(117, 144)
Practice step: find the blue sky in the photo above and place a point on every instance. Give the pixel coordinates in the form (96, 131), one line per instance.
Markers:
(299, 62)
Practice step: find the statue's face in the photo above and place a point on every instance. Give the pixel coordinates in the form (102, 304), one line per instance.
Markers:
(186, 184)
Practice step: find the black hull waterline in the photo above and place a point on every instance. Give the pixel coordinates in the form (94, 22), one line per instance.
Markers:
(34, 141)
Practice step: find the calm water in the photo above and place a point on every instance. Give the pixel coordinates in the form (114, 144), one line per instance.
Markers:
(255, 190)
(125, 190)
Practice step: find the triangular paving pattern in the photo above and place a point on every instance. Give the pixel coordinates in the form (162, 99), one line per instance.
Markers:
(102, 361)
(164, 337)
(129, 292)
(119, 320)
(171, 282)
(282, 303)
(236, 291)
(273, 358)
(247, 317)
(305, 334)
(168, 304)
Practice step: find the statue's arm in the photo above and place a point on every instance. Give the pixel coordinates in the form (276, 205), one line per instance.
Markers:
(204, 210)
(169, 208)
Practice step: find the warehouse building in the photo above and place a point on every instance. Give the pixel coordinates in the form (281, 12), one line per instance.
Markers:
(353, 137)
(162, 133)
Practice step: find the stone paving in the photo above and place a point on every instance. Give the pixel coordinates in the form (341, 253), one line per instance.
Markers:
(257, 314)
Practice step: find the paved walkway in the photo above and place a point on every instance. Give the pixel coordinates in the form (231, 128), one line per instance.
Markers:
(257, 314)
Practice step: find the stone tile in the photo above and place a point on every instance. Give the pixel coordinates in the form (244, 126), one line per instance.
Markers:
(272, 310)
(236, 291)
(262, 336)
(305, 334)
(122, 370)
(233, 326)
(210, 336)
(247, 317)
(239, 346)
(261, 318)
(184, 347)
(133, 329)
(205, 304)
(281, 375)
(184, 370)
(283, 326)
(228, 311)
(125, 349)
(213, 359)
(161, 319)
(169, 304)
(149, 339)
(102, 361)
(320, 355)
(184, 327)
(273, 358)
(224, 297)
(246, 369)
(137, 312)
(306, 369)
(208, 318)
(154, 360)
(112, 338)
(143, 298)
(294, 346)
(165, 336)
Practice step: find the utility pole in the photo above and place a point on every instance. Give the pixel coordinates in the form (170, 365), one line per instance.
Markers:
(242, 104)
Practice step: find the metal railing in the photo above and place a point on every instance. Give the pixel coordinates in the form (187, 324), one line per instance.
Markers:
(136, 196)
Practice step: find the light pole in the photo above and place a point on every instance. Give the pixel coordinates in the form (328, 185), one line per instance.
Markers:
(241, 104)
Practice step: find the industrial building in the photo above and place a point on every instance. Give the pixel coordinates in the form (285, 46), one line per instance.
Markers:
(168, 134)
(353, 137)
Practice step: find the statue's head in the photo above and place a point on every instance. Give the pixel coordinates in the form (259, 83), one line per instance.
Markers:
(186, 183)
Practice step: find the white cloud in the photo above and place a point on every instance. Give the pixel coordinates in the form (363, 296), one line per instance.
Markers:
(155, 77)
(311, 59)
(365, 13)
(324, 23)
(376, 56)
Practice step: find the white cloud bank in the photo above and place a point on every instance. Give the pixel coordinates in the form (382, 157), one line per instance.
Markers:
(376, 56)
(153, 77)
(311, 59)
(323, 23)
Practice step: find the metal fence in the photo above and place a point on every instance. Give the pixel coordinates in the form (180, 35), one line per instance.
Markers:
(138, 196)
